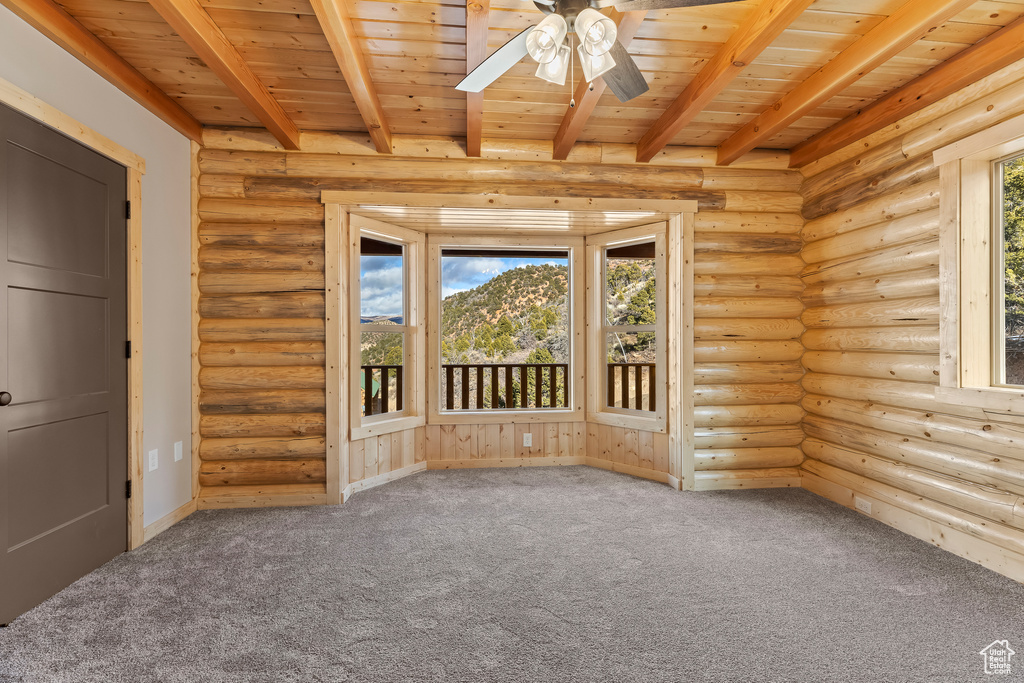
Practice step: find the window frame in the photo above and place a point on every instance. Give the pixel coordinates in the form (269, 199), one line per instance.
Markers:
(575, 412)
(970, 282)
(597, 327)
(412, 413)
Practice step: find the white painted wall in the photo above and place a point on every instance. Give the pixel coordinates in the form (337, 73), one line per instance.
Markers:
(30, 61)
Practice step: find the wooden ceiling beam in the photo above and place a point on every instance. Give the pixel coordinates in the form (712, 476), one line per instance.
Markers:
(575, 118)
(759, 31)
(894, 34)
(52, 21)
(337, 26)
(198, 29)
(998, 50)
(477, 13)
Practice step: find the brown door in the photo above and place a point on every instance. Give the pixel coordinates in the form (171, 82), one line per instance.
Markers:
(63, 436)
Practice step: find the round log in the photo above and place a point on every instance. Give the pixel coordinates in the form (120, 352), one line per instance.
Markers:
(254, 426)
(235, 258)
(276, 448)
(746, 394)
(900, 258)
(747, 437)
(759, 350)
(257, 472)
(739, 416)
(262, 234)
(901, 366)
(261, 353)
(273, 401)
(269, 305)
(906, 312)
(744, 373)
(747, 458)
(261, 330)
(259, 283)
(711, 329)
(908, 339)
(264, 377)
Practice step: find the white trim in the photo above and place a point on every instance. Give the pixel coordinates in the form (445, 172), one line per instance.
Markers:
(575, 413)
(412, 414)
(597, 410)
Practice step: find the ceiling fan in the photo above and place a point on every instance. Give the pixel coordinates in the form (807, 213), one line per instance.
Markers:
(599, 52)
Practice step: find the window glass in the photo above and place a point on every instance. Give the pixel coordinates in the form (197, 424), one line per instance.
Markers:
(1012, 270)
(505, 322)
(631, 285)
(631, 289)
(381, 281)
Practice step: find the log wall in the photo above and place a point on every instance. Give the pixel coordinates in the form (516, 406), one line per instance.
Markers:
(874, 429)
(261, 318)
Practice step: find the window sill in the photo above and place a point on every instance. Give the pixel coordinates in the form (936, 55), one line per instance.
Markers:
(655, 423)
(383, 427)
(506, 417)
(1005, 400)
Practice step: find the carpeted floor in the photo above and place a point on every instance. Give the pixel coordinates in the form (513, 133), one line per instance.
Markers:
(525, 575)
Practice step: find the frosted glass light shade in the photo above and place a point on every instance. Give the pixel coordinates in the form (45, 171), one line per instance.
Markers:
(544, 42)
(555, 70)
(596, 31)
(594, 65)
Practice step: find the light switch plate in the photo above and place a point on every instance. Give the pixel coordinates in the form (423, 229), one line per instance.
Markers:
(154, 459)
(177, 451)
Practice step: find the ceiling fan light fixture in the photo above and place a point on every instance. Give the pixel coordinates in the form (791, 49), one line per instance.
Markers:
(545, 41)
(596, 31)
(555, 70)
(594, 65)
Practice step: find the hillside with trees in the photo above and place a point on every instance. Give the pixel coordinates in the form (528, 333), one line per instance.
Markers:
(521, 316)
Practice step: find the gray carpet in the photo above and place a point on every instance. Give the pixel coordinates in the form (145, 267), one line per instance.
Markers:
(527, 575)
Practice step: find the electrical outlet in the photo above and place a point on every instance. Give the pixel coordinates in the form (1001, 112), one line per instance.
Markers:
(154, 459)
(862, 505)
(177, 451)
(527, 440)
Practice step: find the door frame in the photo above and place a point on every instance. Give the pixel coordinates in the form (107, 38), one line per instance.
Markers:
(32, 106)
(680, 217)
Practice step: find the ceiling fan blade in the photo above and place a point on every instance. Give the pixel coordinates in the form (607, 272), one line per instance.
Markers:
(635, 5)
(625, 79)
(503, 59)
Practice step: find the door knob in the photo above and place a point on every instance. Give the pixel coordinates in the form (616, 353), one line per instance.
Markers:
(5, 398)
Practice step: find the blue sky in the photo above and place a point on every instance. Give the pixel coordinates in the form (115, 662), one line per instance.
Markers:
(460, 273)
(380, 278)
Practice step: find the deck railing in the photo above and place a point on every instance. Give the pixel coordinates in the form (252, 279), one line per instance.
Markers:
(476, 386)
(388, 396)
(629, 384)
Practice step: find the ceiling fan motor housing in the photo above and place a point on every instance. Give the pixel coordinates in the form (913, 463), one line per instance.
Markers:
(567, 8)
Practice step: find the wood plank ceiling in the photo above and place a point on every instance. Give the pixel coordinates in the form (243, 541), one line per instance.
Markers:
(771, 74)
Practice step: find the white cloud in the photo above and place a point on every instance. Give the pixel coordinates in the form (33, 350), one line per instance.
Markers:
(380, 292)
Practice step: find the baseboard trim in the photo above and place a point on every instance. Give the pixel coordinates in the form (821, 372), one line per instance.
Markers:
(723, 480)
(987, 554)
(167, 521)
(363, 484)
(642, 472)
(556, 461)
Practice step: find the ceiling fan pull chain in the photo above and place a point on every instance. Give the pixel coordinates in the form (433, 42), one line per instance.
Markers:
(572, 77)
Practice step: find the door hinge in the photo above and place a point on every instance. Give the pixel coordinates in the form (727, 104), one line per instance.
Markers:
(128, 209)
(128, 349)
(128, 489)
